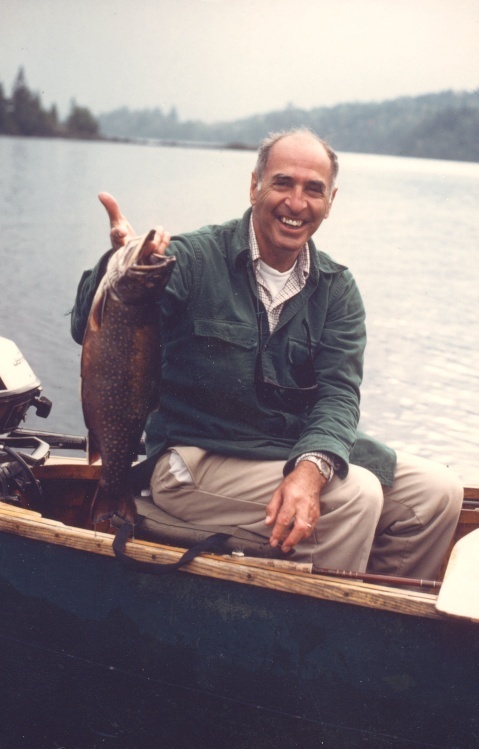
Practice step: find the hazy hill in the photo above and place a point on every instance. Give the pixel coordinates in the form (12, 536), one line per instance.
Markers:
(443, 126)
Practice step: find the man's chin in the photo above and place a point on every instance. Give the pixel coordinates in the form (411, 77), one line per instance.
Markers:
(292, 244)
(292, 239)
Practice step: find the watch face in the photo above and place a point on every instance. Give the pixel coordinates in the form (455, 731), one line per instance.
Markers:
(324, 468)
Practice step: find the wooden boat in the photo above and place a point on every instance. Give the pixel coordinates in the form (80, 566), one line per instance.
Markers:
(228, 650)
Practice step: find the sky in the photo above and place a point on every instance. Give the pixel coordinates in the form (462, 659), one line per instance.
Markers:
(221, 60)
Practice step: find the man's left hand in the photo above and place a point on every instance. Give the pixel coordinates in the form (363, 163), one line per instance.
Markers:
(295, 506)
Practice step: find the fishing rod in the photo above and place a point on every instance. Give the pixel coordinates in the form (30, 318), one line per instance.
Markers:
(306, 568)
(369, 577)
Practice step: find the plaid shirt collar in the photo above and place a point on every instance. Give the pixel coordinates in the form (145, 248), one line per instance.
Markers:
(295, 283)
(302, 266)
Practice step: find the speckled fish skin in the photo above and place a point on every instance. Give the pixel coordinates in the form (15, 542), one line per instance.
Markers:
(120, 369)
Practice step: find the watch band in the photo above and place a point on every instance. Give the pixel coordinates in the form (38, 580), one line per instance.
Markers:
(324, 466)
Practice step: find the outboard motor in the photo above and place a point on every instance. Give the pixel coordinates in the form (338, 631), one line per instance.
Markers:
(19, 389)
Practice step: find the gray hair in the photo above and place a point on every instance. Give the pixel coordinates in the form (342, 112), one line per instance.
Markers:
(267, 144)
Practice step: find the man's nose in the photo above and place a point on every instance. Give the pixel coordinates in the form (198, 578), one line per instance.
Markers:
(296, 200)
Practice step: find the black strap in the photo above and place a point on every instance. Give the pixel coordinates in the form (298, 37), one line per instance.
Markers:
(211, 543)
(141, 473)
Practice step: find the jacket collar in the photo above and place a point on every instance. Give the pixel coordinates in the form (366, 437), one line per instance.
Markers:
(320, 261)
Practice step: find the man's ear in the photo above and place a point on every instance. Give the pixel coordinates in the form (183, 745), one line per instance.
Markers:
(333, 195)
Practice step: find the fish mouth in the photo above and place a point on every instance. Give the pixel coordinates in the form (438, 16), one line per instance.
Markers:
(153, 259)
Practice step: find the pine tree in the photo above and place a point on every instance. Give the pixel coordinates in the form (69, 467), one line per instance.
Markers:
(28, 117)
(4, 114)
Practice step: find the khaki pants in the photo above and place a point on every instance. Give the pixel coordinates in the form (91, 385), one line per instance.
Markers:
(401, 530)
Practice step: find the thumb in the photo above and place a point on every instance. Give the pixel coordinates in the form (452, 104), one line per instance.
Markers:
(112, 208)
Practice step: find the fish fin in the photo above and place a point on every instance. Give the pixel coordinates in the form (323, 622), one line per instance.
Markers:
(93, 451)
(126, 510)
(105, 506)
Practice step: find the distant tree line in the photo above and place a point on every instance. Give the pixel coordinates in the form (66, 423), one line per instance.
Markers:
(23, 114)
(442, 126)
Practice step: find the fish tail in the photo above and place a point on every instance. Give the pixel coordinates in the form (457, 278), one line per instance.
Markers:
(126, 510)
(102, 507)
(105, 506)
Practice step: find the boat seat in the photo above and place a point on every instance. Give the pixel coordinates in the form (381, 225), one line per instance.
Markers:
(154, 524)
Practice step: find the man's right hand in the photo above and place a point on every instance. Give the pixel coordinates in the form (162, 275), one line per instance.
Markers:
(121, 230)
(294, 508)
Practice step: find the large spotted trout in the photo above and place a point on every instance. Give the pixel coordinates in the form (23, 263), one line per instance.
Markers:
(120, 369)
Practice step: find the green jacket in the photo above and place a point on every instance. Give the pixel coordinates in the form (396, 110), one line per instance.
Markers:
(211, 338)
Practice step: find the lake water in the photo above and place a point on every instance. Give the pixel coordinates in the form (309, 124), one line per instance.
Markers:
(407, 228)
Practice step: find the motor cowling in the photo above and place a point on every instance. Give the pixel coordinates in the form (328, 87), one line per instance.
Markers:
(19, 388)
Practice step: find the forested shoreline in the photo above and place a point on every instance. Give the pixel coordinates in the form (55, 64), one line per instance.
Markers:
(23, 114)
(441, 126)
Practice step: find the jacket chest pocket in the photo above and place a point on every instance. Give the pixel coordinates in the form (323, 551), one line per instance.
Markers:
(227, 352)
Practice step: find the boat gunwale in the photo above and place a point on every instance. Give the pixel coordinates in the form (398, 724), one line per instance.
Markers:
(251, 572)
(278, 575)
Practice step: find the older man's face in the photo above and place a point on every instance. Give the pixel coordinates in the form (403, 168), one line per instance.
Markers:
(292, 200)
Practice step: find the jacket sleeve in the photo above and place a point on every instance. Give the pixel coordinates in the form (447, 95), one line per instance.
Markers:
(332, 423)
(87, 287)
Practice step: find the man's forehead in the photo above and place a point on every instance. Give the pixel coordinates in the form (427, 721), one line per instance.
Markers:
(304, 141)
(298, 150)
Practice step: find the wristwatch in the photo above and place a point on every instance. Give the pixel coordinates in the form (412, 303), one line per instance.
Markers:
(323, 467)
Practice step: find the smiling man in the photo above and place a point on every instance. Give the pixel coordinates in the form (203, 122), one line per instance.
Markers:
(263, 343)
(291, 193)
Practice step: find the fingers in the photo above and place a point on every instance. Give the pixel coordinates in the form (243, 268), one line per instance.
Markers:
(289, 531)
(292, 522)
(301, 530)
(273, 507)
(157, 242)
(280, 516)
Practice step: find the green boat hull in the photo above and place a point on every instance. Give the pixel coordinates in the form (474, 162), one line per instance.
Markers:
(96, 655)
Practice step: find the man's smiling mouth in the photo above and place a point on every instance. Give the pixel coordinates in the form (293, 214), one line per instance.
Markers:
(291, 221)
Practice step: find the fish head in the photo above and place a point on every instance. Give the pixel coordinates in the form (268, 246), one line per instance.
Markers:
(137, 276)
(133, 276)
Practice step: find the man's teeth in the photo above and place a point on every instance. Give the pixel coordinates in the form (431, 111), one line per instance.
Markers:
(291, 221)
